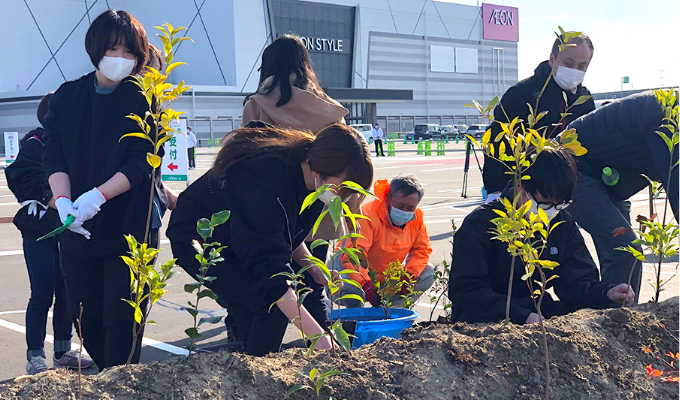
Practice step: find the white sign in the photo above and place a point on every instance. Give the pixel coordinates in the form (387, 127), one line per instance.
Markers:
(11, 146)
(441, 59)
(175, 165)
(466, 61)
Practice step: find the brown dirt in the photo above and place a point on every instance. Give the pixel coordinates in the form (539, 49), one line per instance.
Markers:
(594, 355)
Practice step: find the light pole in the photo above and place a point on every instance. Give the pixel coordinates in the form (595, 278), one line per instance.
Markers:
(624, 79)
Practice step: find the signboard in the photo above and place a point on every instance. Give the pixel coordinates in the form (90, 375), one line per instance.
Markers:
(322, 44)
(11, 146)
(500, 22)
(625, 79)
(175, 165)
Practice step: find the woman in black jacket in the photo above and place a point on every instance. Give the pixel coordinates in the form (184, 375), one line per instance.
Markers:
(262, 175)
(27, 181)
(109, 178)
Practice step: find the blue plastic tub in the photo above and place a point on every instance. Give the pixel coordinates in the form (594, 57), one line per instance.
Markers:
(371, 324)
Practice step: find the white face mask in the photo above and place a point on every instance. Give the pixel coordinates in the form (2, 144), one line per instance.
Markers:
(116, 68)
(550, 212)
(400, 217)
(326, 196)
(568, 78)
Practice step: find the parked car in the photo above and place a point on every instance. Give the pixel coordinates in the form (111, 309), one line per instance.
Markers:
(365, 130)
(448, 132)
(425, 131)
(477, 131)
(409, 136)
(462, 128)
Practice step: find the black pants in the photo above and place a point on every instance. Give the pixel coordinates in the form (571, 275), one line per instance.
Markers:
(262, 330)
(191, 152)
(378, 144)
(107, 323)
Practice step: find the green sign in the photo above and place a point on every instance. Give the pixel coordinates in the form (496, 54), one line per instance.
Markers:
(174, 178)
(625, 79)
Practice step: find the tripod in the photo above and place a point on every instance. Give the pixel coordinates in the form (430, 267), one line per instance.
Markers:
(468, 149)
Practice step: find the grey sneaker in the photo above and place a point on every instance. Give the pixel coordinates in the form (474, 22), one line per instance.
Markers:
(36, 365)
(70, 360)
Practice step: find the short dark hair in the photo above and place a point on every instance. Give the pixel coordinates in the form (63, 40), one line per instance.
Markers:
(112, 27)
(406, 184)
(43, 107)
(553, 175)
(580, 39)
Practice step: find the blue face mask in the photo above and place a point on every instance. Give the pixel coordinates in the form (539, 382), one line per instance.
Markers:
(399, 217)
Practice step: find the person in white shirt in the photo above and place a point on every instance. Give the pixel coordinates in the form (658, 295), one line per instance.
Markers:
(191, 148)
(377, 134)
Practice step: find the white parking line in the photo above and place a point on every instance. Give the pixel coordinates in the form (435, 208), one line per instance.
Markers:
(50, 339)
(441, 169)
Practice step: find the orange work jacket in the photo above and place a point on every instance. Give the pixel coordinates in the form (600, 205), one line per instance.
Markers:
(385, 243)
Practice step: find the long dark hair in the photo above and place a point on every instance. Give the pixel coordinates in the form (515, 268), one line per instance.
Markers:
(336, 151)
(286, 56)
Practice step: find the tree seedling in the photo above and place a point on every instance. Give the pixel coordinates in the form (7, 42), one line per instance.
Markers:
(397, 284)
(526, 233)
(207, 254)
(659, 238)
(146, 282)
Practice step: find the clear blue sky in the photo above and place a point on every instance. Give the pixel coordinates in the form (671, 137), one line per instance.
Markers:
(631, 37)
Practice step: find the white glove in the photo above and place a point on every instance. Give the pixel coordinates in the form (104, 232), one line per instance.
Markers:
(65, 208)
(88, 205)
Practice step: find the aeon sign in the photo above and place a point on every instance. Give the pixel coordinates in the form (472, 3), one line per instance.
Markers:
(500, 22)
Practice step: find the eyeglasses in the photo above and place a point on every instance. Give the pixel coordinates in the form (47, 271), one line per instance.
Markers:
(548, 205)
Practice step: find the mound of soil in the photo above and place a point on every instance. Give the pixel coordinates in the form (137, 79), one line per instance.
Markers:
(594, 355)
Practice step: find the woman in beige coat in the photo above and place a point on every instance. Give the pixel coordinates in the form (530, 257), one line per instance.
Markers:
(289, 96)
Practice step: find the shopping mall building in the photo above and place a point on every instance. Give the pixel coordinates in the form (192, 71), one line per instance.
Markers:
(397, 61)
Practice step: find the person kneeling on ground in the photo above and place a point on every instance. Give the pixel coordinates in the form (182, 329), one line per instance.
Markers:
(395, 231)
(478, 281)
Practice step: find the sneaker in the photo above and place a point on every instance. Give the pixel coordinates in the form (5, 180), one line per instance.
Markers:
(70, 360)
(36, 365)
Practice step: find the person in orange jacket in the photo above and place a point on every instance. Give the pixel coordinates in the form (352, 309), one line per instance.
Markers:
(395, 231)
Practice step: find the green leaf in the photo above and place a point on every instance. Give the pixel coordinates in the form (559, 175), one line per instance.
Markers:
(341, 336)
(192, 311)
(318, 222)
(351, 296)
(581, 100)
(317, 243)
(190, 287)
(335, 210)
(206, 293)
(209, 320)
(295, 389)
(203, 228)
(192, 333)
(357, 188)
(219, 218)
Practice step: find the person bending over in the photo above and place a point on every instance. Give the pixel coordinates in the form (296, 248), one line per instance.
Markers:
(480, 270)
(395, 231)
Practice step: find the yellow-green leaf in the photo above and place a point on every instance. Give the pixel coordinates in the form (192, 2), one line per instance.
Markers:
(137, 135)
(153, 160)
(173, 66)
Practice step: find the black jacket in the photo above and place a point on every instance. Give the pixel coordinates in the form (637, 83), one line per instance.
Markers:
(27, 180)
(480, 270)
(82, 138)
(264, 196)
(622, 135)
(514, 104)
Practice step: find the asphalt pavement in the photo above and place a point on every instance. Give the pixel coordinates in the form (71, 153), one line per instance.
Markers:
(442, 177)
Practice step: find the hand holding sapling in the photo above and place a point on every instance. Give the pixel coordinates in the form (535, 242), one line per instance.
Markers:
(622, 294)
